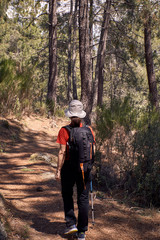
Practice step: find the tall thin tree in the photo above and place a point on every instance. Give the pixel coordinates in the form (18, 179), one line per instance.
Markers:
(52, 83)
(69, 93)
(99, 74)
(85, 57)
(74, 47)
(91, 32)
(149, 63)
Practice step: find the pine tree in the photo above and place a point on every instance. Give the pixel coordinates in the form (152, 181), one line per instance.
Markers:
(52, 83)
(85, 57)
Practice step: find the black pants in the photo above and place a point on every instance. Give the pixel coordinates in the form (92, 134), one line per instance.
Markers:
(69, 177)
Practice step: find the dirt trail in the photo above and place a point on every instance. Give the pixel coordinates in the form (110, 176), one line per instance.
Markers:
(33, 198)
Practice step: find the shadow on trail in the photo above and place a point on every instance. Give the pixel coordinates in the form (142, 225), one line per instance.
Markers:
(17, 143)
(46, 205)
(54, 228)
(16, 140)
(113, 216)
(41, 204)
(45, 226)
(16, 171)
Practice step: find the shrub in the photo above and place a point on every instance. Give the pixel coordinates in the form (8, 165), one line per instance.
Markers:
(114, 137)
(14, 87)
(147, 170)
(130, 142)
(120, 113)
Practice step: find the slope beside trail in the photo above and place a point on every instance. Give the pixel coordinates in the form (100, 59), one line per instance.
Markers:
(32, 198)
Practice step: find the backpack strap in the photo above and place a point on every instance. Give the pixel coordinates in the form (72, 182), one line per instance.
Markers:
(91, 132)
(68, 127)
(82, 169)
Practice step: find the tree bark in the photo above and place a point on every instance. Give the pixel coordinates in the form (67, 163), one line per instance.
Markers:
(85, 58)
(52, 83)
(99, 74)
(69, 94)
(91, 34)
(74, 52)
(149, 63)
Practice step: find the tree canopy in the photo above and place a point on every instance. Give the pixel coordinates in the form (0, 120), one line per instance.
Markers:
(25, 40)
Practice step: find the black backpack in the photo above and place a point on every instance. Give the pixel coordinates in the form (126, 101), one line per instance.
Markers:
(81, 152)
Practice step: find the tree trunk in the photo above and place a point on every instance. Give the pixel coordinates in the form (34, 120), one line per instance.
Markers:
(69, 52)
(91, 34)
(85, 58)
(99, 74)
(149, 64)
(74, 52)
(52, 83)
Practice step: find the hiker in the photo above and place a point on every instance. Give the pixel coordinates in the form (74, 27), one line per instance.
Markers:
(69, 173)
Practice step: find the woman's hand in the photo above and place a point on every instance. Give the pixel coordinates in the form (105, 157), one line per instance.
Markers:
(58, 174)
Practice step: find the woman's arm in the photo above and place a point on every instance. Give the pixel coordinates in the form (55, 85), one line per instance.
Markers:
(61, 158)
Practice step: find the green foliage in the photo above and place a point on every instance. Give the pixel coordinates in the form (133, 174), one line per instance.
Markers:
(23, 56)
(14, 86)
(7, 68)
(120, 113)
(97, 165)
(50, 106)
(40, 108)
(147, 146)
(2, 147)
(3, 7)
(136, 151)
(7, 77)
(59, 112)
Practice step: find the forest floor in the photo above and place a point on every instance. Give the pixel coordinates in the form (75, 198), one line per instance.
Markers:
(31, 205)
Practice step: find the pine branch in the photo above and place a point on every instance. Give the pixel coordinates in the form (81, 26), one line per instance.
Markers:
(36, 18)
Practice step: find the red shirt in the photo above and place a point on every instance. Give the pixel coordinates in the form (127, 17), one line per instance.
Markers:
(63, 135)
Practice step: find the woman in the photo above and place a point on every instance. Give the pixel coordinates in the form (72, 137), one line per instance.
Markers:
(70, 176)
